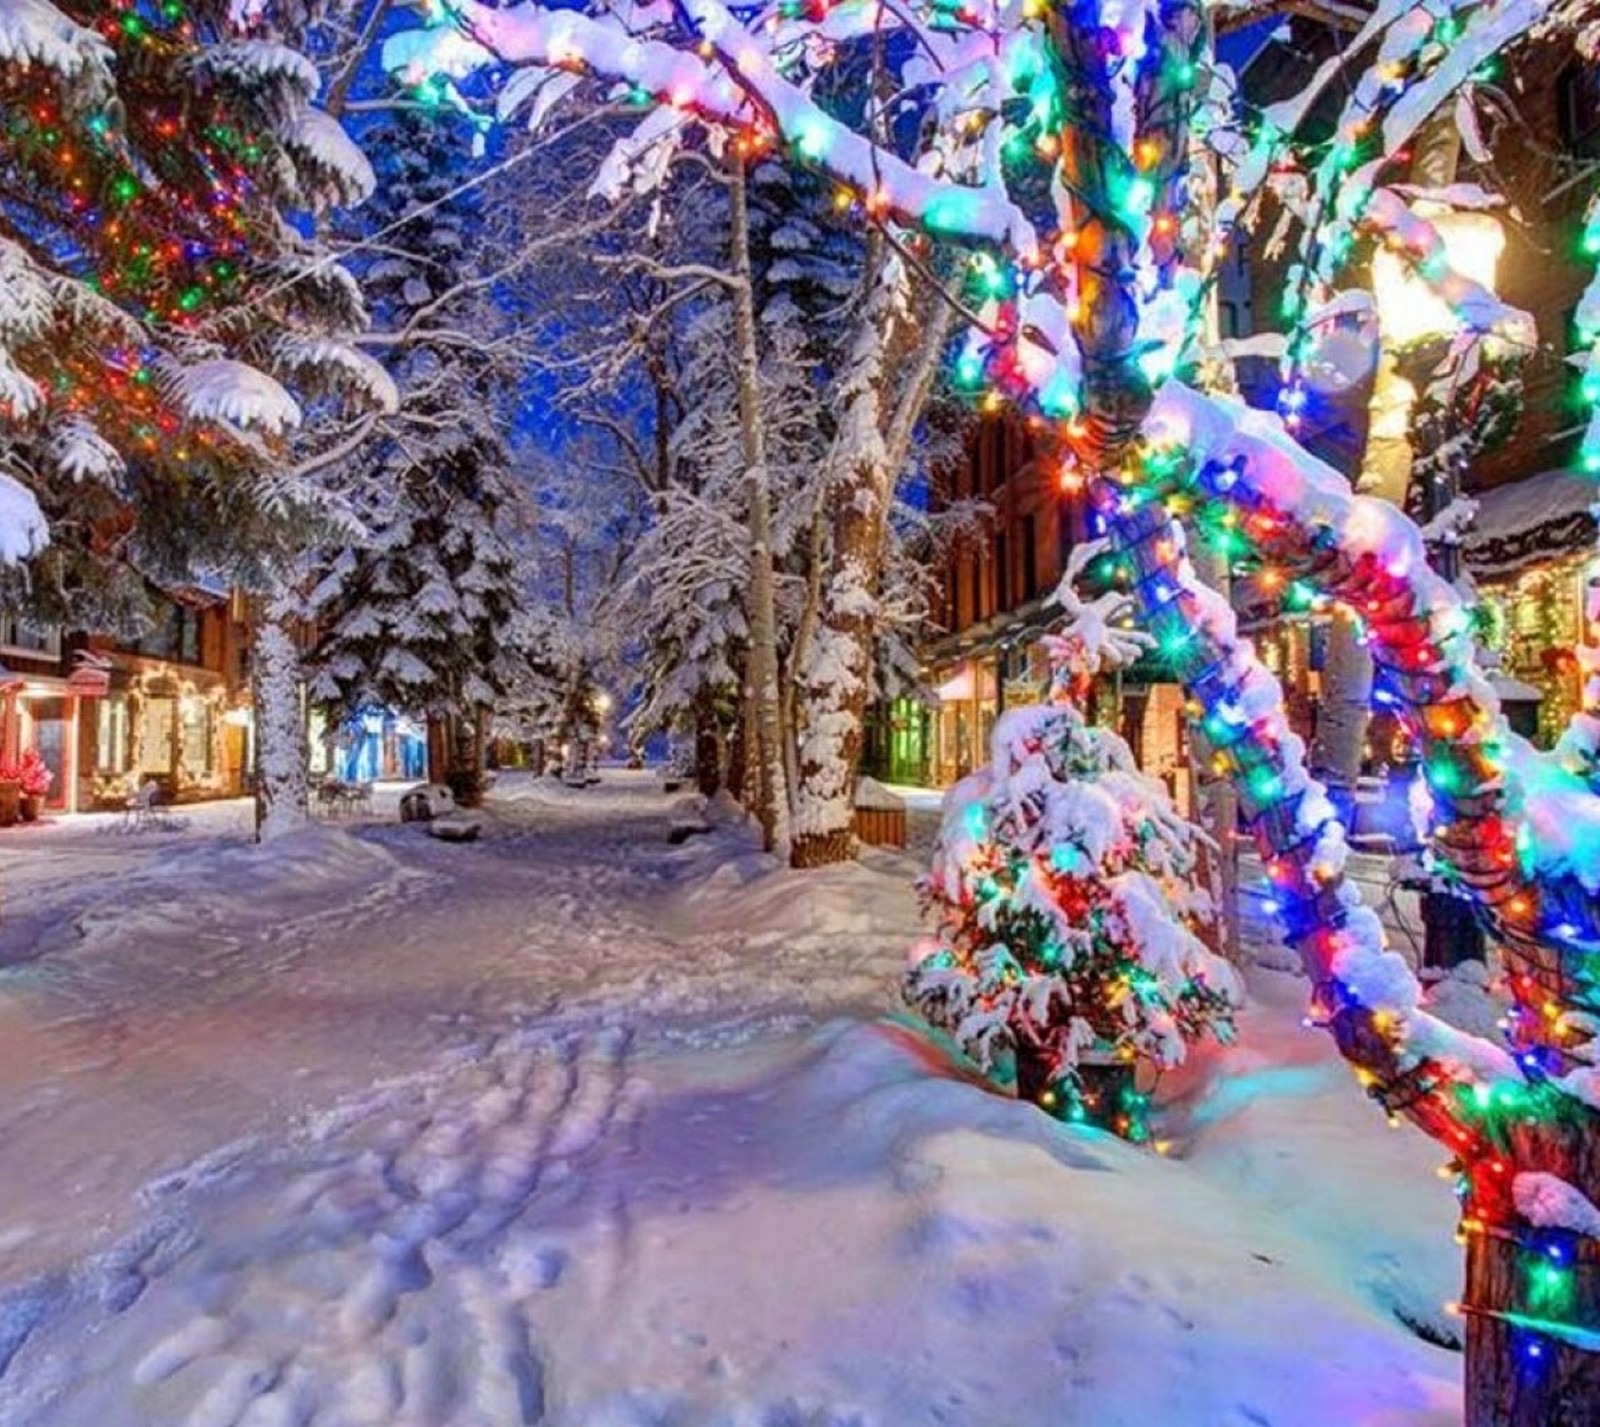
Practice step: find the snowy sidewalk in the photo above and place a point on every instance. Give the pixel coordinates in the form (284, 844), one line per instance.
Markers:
(179, 991)
(577, 1129)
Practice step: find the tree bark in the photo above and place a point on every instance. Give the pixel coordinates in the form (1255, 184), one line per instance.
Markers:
(282, 804)
(740, 747)
(1343, 713)
(836, 680)
(1513, 1377)
(835, 666)
(762, 667)
(1216, 808)
(707, 742)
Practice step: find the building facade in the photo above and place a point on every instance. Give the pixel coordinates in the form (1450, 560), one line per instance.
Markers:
(108, 715)
(995, 584)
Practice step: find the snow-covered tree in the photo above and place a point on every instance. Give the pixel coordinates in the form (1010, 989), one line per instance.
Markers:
(843, 344)
(163, 325)
(1067, 898)
(423, 608)
(883, 386)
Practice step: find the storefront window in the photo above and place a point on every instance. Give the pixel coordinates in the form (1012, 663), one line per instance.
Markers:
(195, 739)
(111, 735)
(155, 743)
(1542, 629)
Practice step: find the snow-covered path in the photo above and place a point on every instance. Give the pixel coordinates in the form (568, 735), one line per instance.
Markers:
(187, 988)
(575, 1129)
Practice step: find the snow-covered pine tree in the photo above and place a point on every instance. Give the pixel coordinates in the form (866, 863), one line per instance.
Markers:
(1066, 889)
(424, 610)
(162, 324)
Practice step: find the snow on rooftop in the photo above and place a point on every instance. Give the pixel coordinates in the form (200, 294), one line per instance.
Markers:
(1524, 521)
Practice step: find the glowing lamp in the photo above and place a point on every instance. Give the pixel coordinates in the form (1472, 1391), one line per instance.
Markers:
(1408, 307)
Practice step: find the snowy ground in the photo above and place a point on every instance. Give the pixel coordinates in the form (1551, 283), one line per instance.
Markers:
(571, 1127)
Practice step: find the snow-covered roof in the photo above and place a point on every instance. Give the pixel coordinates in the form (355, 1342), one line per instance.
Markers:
(1515, 690)
(1530, 520)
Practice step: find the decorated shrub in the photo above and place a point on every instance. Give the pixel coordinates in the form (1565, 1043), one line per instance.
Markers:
(34, 774)
(1064, 885)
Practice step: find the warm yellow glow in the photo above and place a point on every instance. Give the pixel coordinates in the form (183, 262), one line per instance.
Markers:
(1408, 308)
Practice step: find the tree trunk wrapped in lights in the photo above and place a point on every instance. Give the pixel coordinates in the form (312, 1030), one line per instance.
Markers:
(1512, 1125)
(1066, 134)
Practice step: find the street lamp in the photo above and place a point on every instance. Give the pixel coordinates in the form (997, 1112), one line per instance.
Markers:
(1409, 310)
(1408, 307)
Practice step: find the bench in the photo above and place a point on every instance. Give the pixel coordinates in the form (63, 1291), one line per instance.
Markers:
(145, 811)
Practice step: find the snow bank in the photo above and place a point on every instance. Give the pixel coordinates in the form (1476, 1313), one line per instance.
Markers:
(469, 1175)
(835, 1229)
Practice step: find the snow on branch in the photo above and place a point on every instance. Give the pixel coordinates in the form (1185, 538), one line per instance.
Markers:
(231, 392)
(333, 170)
(34, 32)
(1097, 635)
(22, 525)
(737, 85)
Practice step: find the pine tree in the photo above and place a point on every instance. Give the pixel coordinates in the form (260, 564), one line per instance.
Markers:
(163, 324)
(1068, 898)
(424, 609)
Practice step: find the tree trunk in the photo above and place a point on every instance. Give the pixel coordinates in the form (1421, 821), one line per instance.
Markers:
(466, 759)
(281, 800)
(1340, 738)
(1343, 714)
(1105, 1091)
(707, 743)
(794, 715)
(740, 746)
(773, 800)
(835, 662)
(836, 680)
(1216, 808)
(1514, 1377)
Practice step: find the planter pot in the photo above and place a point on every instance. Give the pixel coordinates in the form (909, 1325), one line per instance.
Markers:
(31, 805)
(10, 803)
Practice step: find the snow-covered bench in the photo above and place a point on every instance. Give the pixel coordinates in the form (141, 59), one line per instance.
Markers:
(455, 827)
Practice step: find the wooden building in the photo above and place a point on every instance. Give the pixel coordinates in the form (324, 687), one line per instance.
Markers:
(109, 714)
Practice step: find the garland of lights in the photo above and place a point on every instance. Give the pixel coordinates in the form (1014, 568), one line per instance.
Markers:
(1520, 1119)
(154, 197)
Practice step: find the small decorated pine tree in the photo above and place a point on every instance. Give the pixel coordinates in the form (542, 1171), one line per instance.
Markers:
(1067, 899)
